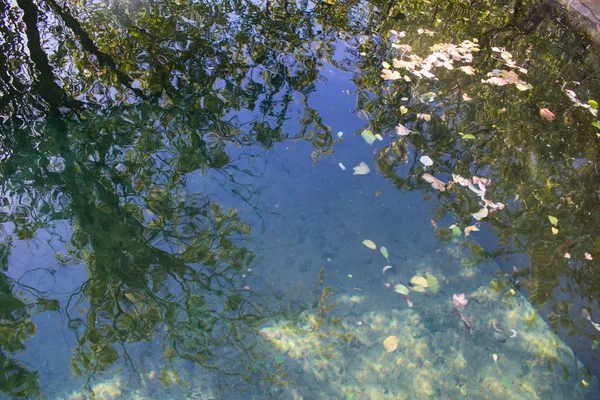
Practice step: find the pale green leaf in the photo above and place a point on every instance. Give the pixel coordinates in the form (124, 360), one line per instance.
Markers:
(553, 220)
(384, 252)
(456, 232)
(468, 136)
(368, 136)
(432, 281)
(401, 289)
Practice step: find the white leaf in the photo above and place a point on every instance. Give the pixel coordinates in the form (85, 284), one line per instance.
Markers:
(479, 215)
(402, 130)
(426, 161)
(342, 166)
(368, 136)
(361, 169)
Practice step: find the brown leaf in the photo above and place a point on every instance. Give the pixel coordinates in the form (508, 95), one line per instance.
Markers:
(389, 75)
(547, 114)
(435, 182)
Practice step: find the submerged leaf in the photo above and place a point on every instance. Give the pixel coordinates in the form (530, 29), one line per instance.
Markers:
(368, 136)
(432, 282)
(391, 343)
(361, 169)
(554, 231)
(403, 110)
(386, 268)
(419, 289)
(553, 220)
(401, 289)
(370, 244)
(468, 136)
(384, 252)
(342, 166)
(418, 280)
(479, 215)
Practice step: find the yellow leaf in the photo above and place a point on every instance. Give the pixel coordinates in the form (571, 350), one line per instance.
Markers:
(419, 281)
(554, 231)
(401, 289)
(391, 343)
(469, 229)
(370, 244)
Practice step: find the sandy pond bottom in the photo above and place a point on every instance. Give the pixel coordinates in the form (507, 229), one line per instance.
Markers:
(338, 352)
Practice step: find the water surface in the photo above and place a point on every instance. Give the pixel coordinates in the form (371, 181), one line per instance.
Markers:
(180, 217)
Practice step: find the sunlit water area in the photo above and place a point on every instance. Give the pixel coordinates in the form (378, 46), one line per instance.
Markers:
(298, 200)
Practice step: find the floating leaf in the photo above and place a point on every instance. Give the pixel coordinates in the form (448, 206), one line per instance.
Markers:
(593, 103)
(469, 229)
(456, 232)
(368, 136)
(342, 166)
(567, 255)
(553, 220)
(403, 110)
(378, 137)
(426, 117)
(340, 134)
(402, 130)
(588, 256)
(432, 282)
(468, 136)
(386, 268)
(361, 169)
(391, 343)
(370, 244)
(418, 280)
(390, 75)
(384, 252)
(547, 114)
(386, 65)
(401, 289)
(467, 69)
(495, 357)
(479, 215)
(435, 182)
(427, 97)
(419, 289)
(554, 231)
(426, 161)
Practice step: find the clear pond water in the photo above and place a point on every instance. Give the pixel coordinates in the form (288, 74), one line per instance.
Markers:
(185, 213)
